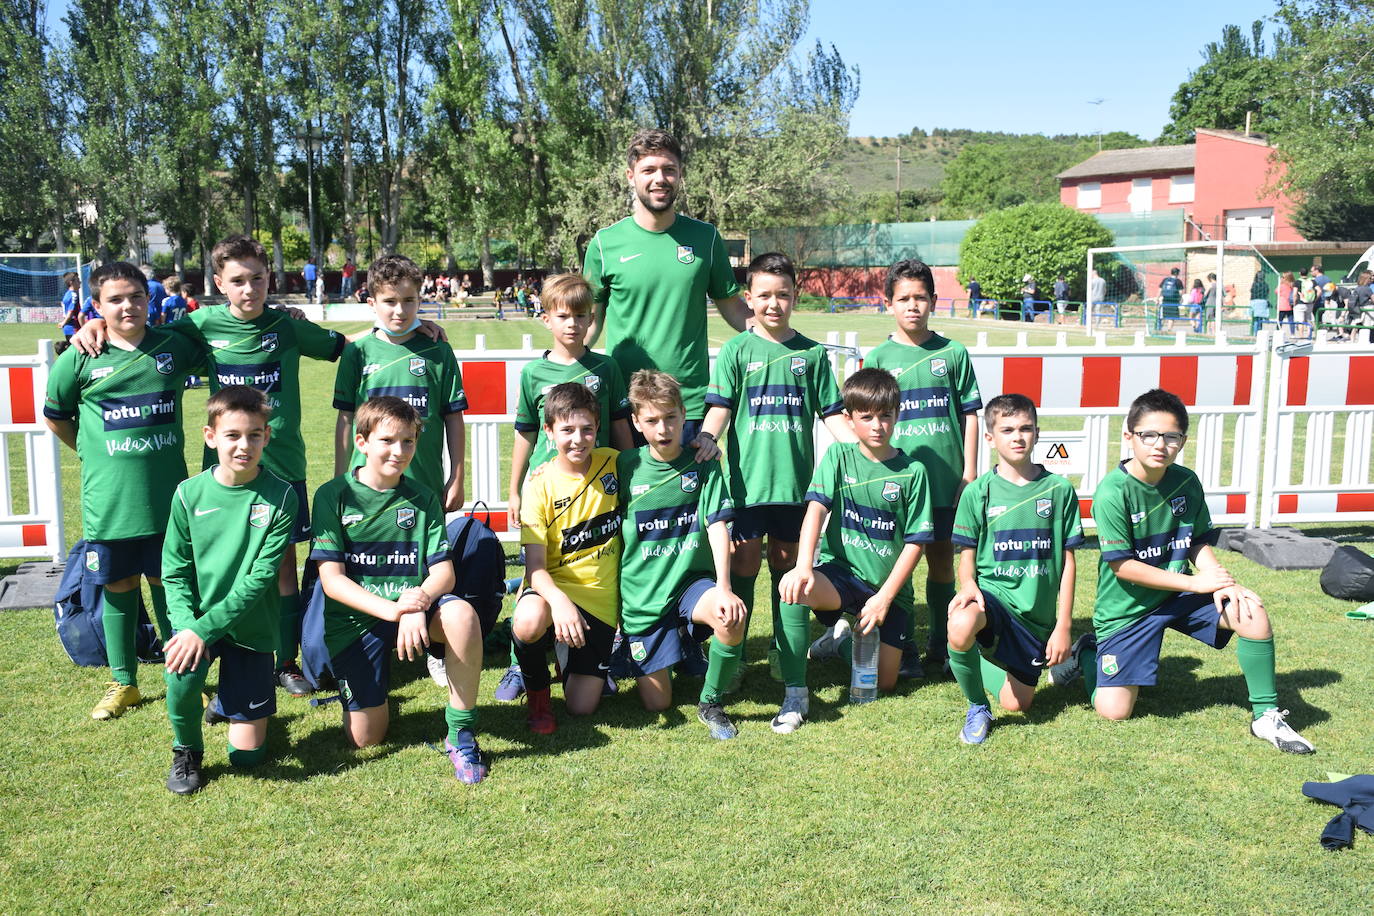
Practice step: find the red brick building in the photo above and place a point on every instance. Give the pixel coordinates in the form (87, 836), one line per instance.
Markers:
(1222, 183)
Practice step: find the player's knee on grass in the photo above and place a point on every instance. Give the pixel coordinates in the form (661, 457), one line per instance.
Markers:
(1115, 703)
(531, 619)
(366, 727)
(1016, 696)
(889, 664)
(656, 690)
(746, 557)
(582, 694)
(964, 626)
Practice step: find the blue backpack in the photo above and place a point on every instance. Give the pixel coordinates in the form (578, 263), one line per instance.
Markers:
(79, 608)
(479, 566)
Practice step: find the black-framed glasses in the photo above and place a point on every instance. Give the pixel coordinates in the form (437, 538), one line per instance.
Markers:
(1150, 437)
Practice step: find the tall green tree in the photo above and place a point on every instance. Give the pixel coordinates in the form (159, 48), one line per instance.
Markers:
(1238, 77)
(1012, 170)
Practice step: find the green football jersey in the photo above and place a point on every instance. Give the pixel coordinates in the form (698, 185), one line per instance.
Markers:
(1019, 535)
(876, 508)
(129, 436)
(666, 508)
(655, 287)
(386, 540)
(774, 391)
(1155, 525)
(221, 554)
(422, 372)
(595, 370)
(265, 354)
(938, 386)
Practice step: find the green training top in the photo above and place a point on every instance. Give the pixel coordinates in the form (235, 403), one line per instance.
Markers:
(1155, 525)
(655, 286)
(595, 370)
(129, 435)
(387, 541)
(220, 558)
(1019, 535)
(265, 354)
(774, 391)
(937, 384)
(422, 372)
(876, 508)
(666, 507)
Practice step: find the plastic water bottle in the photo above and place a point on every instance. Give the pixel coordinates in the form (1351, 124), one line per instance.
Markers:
(863, 671)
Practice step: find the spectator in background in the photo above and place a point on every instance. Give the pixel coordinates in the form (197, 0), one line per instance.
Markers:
(1029, 293)
(319, 287)
(1210, 300)
(346, 283)
(1323, 300)
(310, 273)
(1061, 297)
(156, 293)
(190, 292)
(1097, 289)
(1259, 303)
(1287, 291)
(174, 306)
(1361, 304)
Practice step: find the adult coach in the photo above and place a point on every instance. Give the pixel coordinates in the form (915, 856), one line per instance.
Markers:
(652, 273)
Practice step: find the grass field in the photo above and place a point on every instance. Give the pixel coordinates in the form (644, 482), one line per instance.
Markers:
(875, 808)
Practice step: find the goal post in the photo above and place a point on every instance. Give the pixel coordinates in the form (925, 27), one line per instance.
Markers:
(31, 285)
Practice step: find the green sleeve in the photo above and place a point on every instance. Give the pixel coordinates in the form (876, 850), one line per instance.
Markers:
(593, 268)
(715, 504)
(620, 395)
(348, 379)
(215, 621)
(317, 342)
(920, 528)
(1073, 524)
(1113, 530)
(64, 393)
(969, 516)
(724, 390)
(436, 534)
(821, 489)
(721, 284)
(326, 529)
(526, 405)
(178, 567)
(966, 384)
(824, 388)
(455, 398)
(196, 358)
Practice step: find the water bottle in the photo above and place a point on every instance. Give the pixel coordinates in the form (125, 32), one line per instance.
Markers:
(863, 672)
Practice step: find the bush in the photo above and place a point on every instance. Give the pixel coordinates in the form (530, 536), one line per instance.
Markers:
(1043, 240)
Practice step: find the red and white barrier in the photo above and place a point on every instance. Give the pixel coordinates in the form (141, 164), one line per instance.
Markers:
(30, 526)
(1331, 386)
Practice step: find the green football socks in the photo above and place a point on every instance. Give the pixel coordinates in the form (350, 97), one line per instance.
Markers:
(723, 661)
(121, 627)
(793, 638)
(968, 673)
(994, 678)
(164, 623)
(457, 720)
(184, 706)
(1256, 657)
(246, 760)
(938, 597)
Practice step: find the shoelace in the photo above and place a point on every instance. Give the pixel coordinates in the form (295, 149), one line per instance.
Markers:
(112, 691)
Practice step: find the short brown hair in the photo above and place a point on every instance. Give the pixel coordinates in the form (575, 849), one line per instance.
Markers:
(652, 141)
(1008, 405)
(566, 399)
(239, 398)
(237, 248)
(653, 388)
(386, 407)
(568, 291)
(116, 270)
(392, 269)
(172, 285)
(870, 390)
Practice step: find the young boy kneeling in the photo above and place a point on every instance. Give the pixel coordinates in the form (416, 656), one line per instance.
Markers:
(383, 556)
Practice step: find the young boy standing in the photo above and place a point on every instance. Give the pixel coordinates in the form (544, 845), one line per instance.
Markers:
(1152, 522)
(228, 527)
(120, 412)
(385, 569)
(1016, 530)
(248, 344)
(395, 359)
(873, 505)
(937, 424)
(768, 384)
(667, 498)
(570, 531)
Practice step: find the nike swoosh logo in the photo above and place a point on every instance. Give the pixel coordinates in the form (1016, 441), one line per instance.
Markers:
(200, 512)
(629, 257)
(257, 705)
(603, 667)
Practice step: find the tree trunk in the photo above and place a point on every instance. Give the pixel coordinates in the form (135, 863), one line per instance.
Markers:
(350, 233)
(488, 265)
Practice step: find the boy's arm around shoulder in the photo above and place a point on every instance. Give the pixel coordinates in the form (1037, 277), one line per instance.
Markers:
(455, 440)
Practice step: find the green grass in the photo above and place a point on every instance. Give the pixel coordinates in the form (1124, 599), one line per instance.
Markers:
(875, 808)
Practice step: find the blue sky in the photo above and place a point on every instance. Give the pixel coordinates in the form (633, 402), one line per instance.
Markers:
(1022, 67)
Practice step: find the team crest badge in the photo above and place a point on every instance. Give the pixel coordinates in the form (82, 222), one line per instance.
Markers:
(405, 518)
(890, 490)
(269, 341)
(417, 366)
(165, 363)
(690, 482)
(345, 691)
(799, 365)
(259, 514)
(92, 561)
(638, 652)
(593, 383)
(939, 368)
(608, 483)
(1179, 504)
(1109, 665)
(1043, 507)
(685, 254)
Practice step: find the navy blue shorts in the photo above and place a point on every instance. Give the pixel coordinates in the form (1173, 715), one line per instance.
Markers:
(661, 645)
(594, 657)
(1130, 657)
(1014, 646)
(110, 561)
(690, 428)
(363, 670)
(942, 518)
(487, 612)
(780, 523)
(247, 684)
(301, 533)
(854, 592)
